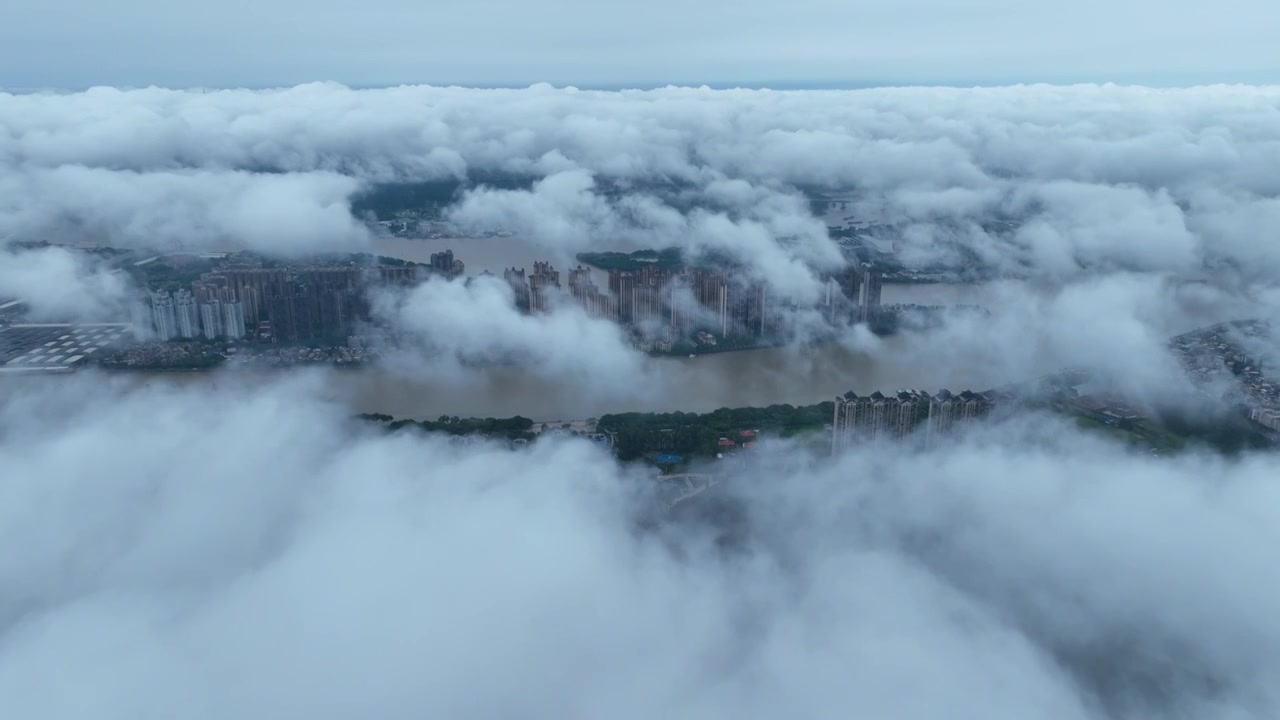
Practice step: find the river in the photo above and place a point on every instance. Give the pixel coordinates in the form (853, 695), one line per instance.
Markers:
(753, 377)
(795, 375)
(931, 360)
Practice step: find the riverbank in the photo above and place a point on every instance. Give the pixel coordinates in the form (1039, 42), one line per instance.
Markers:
(765, 376)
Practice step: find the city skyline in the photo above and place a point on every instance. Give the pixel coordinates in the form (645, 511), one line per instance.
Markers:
(309, 302)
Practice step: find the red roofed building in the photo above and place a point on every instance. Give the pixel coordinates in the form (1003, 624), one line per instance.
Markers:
(747, 433)
(727, 443)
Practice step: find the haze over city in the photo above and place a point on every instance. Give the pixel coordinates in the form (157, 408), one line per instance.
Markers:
(565, 360)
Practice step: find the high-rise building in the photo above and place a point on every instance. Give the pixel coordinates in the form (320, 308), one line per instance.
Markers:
(544, 283)
(211, 319)
(164, 319)
(187, 314)
(842, 294)
(849, 282)
(651, 295)
(948, 413)
(869, 296)
(622, 286)
(233, 320)
(751, 310)
(331, 278)
(325, 307)
(711, 290)
(589, 295)
(519, 286)
(442, 262)
(942, 416)
(877, 417)
(400, 274)
(290, 316)
(255, 287)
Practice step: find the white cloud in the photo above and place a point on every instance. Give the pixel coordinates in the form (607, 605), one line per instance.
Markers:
(1145, 188)
(450, 324)
(321, 569)
(58, 284)
(1142, 179)
(281, 214)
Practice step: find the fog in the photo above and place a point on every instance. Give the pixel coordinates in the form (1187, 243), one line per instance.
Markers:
(260, 555)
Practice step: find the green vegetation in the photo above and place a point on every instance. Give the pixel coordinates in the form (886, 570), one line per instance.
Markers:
(1229, 433)
(1226, 433)
(690, 346)
(386, 201)
(363, 259)
(666, 258)
(1142, 434)
(637, 434)
(175, 272)
(172, 273)
(514, 428)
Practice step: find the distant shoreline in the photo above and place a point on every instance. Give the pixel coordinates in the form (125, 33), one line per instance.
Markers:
(351, 366)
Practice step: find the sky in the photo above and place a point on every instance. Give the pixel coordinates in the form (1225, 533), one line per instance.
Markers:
(75, 44)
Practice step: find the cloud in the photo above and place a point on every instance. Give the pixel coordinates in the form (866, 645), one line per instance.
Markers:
(1148, 179)
(323, 569)
(55, 283)
(1117, 327)
(261, 555)
(446, 326)
(278, 214)
(1102, 197)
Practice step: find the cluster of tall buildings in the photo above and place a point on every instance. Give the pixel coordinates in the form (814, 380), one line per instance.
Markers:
(444, 263)
(181, 314)
(878, 417)
(286, 305)
(595, 301)
(685, 299)
(853, 294)
(327, 303)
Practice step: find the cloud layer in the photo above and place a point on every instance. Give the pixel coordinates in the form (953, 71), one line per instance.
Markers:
(1114, 202)
(56, 284)
(321, 569)
(1103, 176)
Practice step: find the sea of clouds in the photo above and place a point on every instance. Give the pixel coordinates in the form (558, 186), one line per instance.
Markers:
(1163, 187)
(233, 550)
(254, 552)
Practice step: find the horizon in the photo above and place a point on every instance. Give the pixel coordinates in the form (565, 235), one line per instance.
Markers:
(1141, 81)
